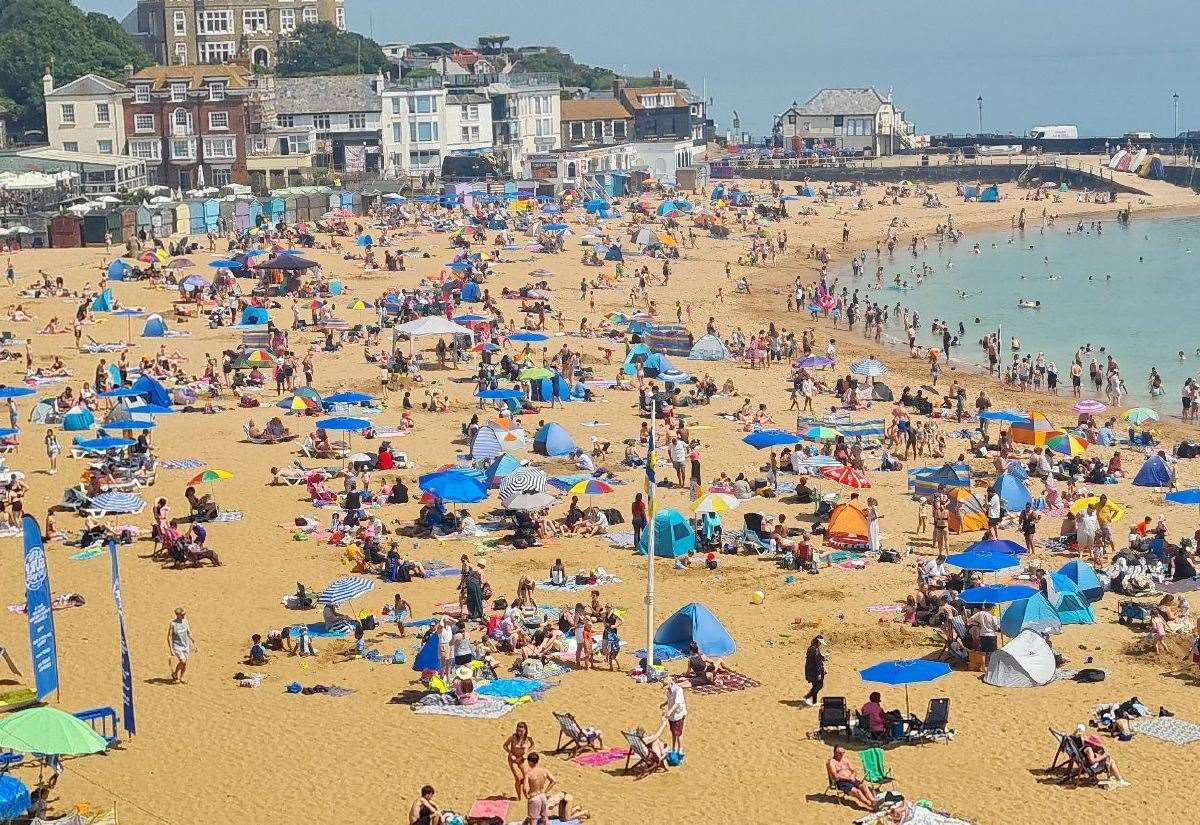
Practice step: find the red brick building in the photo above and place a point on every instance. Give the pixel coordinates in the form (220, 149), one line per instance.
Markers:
(189, 124)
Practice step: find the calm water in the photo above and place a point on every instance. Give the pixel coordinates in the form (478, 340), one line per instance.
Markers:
(1131, 290)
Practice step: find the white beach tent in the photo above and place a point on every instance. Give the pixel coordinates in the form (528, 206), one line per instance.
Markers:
(1026, 661)
(431, 325)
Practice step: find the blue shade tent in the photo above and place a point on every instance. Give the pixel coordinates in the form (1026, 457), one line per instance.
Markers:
(694, 623)
(103, 302)
(997, 546)
(925, 480)
(500, 395)
(709, 348)
(500, 468)
(1034, 613)
(152, 392)
(1154, 473)
(1013, 492)
(1070, 603)
(553, 440)
(428, 657)
(485, 444)
(155, 327)
(119, 270)
(1085, 579)
(762, 439)
(673, 536)
(471, 293)
(455, 485)
(255, 316)
(78, 418)
(984, 562)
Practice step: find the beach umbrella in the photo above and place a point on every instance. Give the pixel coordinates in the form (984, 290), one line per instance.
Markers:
(1067, 444)
(349, 398)
(179, 263)
(225, 264)
(50, 732)
(716, 503)
(6, 432)
(820, 432)
(99, 445)
(590, 487)
(1005, 416)
(996, 546)
(469, 319)
(345, 589)
(15, 392)
(762, 439)
(813, 362)
(869, 366)
(1184, 496)
(529, 502)
(128, 424)
(114, 502)
(555, 227)
(997, 593)
(209, 476)
(905, 672)
(522, 481)
(297, 403)
(499, 395)
(1112, 511)
(1033, 430)
(846, 476)
(984, 562)
(525, 336)
(1089, 406)
(128, 314)
(14, 798)
(454, 485)
(535, 374)
(258, 358)
(344, 424)
(358, 305)
(1139, 415)
(151, 409)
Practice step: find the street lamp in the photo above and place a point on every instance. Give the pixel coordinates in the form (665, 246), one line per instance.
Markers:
(1175, 133)
(979, 100)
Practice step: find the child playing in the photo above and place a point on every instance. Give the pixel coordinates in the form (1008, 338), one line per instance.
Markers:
(922, 515)
(611, 644)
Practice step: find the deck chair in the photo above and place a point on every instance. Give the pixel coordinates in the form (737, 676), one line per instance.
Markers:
(255, 439)
(576, 738)
(1061, 753)
(1078, 769)
(934, 725)
(73, 498)
(833, 715)
(647, 762)
(875, 771)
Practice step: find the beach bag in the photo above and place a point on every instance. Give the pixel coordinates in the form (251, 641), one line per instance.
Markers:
(891, 556)
(1090, 675)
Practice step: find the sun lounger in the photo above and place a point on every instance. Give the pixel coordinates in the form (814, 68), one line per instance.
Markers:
(935, 724)
(875, 771)
(833, 715)
(576, 737)
(647, 762)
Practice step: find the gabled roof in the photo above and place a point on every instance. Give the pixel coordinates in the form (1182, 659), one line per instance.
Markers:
(842, 102)
(594, 110)
(89, 85)
(326, 94)
(160, 77)
(632, 96)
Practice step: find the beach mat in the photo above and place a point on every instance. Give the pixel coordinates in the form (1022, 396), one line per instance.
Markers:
(182, 464)
(318, 631)
(485, 708)
(663, 653)
(89, 553)
(436, 569)
(513, 688)
(487, 809)
(601, 758)
(1168, 729)
(621, 539)
(722, 683)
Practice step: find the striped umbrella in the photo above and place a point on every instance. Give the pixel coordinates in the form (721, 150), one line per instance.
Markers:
(1140, 415)
(520, 481)
(258, 358)
(1089, 406)
(209, 476)
(115, 502)
(847, 477)
(869, 367)
(1033, 430)
(345, 589)
(590, 487)
(1067, 444)
(716, 503)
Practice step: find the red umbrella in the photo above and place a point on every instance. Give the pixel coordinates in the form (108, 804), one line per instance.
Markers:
(846, 476)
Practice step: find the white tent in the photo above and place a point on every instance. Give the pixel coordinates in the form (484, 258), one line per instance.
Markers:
(1026, 661)
(432, 325)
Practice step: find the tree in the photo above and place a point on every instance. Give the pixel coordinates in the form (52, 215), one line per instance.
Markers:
(35, 33)
(321, 48)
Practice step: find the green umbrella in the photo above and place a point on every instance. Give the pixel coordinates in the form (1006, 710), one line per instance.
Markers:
(535, 374)
(49, 731)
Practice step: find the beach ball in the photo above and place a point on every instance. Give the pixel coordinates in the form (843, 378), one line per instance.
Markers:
(757, 597)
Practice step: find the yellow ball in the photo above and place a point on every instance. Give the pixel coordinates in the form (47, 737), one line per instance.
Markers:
(757, 597)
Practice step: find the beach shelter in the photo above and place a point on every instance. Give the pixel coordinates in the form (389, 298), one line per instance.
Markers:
(669, 339)
(155, 327)
(118, 270)
(1026, 661)
(709, 348)
(1085, 579)
(428, 658)
(990, 194)
(1068, 601)
(1013, 492)
(967, 512)
(1034, 613)
(847, 527)
(614, 253)
(151, 391)
(695, 623)
(553, 440)
(1154, 473)
(78, 418)
(499, 468)
(255, 316)
(673, 536)
(485, 444)
(103, 302)
(471, 293)
(1033, 430)
(925, 481)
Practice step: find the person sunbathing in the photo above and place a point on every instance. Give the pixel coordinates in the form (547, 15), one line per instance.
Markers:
(275, 430)
(843, 776)
(593, 523)
(53, 327)
(704, 667)
(653, 742)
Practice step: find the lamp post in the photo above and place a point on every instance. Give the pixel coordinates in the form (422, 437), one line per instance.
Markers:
(1175, 132)
(979, 100)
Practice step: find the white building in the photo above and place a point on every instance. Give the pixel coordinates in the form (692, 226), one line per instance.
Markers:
(86, 115)
(664, 158)
(856, 120)
(527, 118)
(467, 122)
(412, 126)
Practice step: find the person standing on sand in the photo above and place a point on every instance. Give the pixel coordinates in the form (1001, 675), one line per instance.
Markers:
(675, 712)
(941, 519)
(537, 783)
(179, 645)
(814, 669)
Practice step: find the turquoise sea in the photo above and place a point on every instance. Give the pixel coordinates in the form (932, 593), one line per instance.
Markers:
(1133, 290)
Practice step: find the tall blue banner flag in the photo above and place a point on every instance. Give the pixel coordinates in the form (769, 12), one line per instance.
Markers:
(126, 668)
(42, 641)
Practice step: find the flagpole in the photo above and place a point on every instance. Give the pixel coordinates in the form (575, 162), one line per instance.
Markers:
(650, 485)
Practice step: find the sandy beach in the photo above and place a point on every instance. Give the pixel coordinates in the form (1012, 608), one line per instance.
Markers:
(216, 752)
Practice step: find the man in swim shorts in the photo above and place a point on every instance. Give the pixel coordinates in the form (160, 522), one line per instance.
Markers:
(538, 782)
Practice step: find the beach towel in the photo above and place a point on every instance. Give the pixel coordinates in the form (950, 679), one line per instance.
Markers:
(621, 539)
(514, 688)
(487, 809)
(182, 464)
(84, 555)
(318, 631)
(484, 708)
(436, 569)
(228, 516)
(885, 608)
(572, 586)
(553, 821)
(663, 653)
(60, 602)
(1168, 729)
(601, 758)
(722, 683)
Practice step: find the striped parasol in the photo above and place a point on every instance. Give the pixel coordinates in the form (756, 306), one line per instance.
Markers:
(258, 358)
(847, 477)
(522, 480)
(869, 367)
(1067, 444)
(114, 502)
(209, 476)
(716, 503)
(345, 589)
(1089, 406)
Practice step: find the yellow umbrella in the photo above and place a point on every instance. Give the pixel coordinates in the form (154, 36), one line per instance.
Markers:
(716, 503)
(1112, 512)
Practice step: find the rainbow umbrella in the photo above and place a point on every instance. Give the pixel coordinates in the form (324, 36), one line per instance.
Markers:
(298, 403)
(209, 476)
(1033, 430)
(590, 487)
(1067, 444)
(1139, 415)
(258, 358)
(358, 305)
(846, 476)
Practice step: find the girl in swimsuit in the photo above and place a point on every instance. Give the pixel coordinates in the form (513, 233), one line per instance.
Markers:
(517, 747)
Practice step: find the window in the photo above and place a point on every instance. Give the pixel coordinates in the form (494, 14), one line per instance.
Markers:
(104, 147)
(143, 123)
(103, 114)
(470, 112)
(339, 17)
(214, 22)
(254, 20)
(178, 92)
(647, 101)
(219, 51)
(426, 104)
(287, 20)
(470, 134)
(543, 126)
(180, 23)
(218, 120)
(321, 123)
(619, 129)
(181, 54)
(286, 121)
(181, 119)
(424, 160)
(220, 148)
(183, 149)
(397, 133)
(666, 100)
(297, 145)
(141, 93)
(68, 114)
(423, 131)
(309, 14)
(397, 104)
(146, 149)
(216, 91)
(358, 121)
(220, 177)
(71, 146)
(791, 120)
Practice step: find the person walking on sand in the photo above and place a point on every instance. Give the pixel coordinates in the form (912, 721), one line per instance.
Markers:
(814, 669)
(517, 747)
(52, 451)
(180, 645)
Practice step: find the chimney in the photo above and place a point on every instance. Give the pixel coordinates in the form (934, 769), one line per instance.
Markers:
(618, 87)
(127, 72)
(670, 79)
(657, 76)
(47, 81)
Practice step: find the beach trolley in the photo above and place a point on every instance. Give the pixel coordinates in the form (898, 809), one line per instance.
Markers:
(289, 209)
(212, 214)
(241, 214)
(183, 218)
(144, 221)
(66, 231)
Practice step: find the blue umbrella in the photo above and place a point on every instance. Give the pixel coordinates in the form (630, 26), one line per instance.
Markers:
(225, 264)
(460, 266)
(997, 593)
(14, 798)
(151, 409)
(454, 485)
(128, 424)
(1009, 416)
(104, 442)
(761, 439)
(869, 366)
(812, 362)
(16, 392)
(5, 432)
(469, 319)
(349, 398)
(555, 227)
(352, 425)
(1184, 497)
(118, 503)
(996, 546)
(134, 313)
(984, 562)
(529, 337)
(905, 672)
(344, 589)
(499, 395)
(364, 240)
(121, 392)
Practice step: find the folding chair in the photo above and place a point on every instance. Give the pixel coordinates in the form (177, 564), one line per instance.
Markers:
(834, 715)
(1055, 765)
(875, 771)
(576, 737)
(647, 762)
(1078, 768)
(935, 723)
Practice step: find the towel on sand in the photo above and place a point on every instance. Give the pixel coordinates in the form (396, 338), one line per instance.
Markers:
(1168, 728)
(484, 708)
(601, 758)
(489, 809)
(722, 683)
(512, 688)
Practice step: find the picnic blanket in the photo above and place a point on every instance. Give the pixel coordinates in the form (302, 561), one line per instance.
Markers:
(663, 653)
(572, 586)
(514, 688)
(182, 464)
(228, 516)
(620, 538)
(601, 758)
(318, 630)
(488, 707)
(89, 553)
(722, 683)
(1168, 729)
(435, 568)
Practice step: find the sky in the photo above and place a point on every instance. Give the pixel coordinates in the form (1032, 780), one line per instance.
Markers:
(1109, 67)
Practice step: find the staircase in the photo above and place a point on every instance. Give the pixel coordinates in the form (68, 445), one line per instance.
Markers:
(591, 189)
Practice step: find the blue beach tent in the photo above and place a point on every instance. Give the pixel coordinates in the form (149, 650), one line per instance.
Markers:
(1013, 493)
(155, 327)
(673, 536)
(553, 440)
(77, 419)
(152, 392)
(485, 444)
(1034, 613)
(427, 657)
(103, 302)
(695, 623)
(1085, 579)
(500, 468)
(1154, 473)
(1071, 604)
(118, 270)
(255, 316)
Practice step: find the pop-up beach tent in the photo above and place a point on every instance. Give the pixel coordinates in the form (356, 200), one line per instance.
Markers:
(427, 658)
(103, 302)
(155, 327)
(709, 348)
(1026, 661)
(1154, 473)
(925, 481)
(485, 444)
(255, 316)
(967, 513)
(1012, 492)
(1085, 578)
(695, 623)
(1070, 604)
(78, 418)
(673, 536)
(847, 527)
(1034, 613)
(553, 440)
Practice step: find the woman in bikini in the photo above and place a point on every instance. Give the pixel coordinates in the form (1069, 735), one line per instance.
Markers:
(517, 747)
